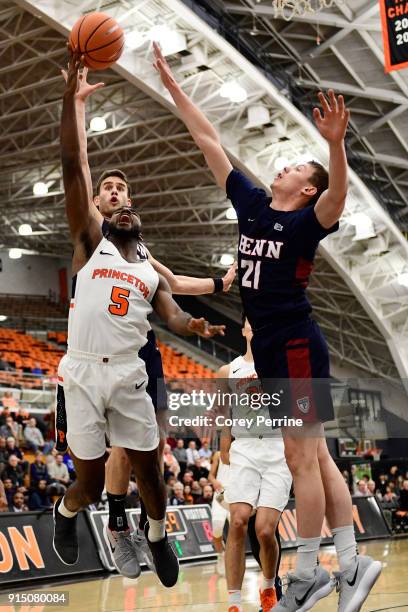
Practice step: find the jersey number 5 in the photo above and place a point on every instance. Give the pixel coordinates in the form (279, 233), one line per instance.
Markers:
(251, 268)
(120, 305)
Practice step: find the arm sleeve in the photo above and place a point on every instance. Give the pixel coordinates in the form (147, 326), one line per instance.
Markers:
(245, 196)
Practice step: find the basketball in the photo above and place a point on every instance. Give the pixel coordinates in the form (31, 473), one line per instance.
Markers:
(99, 38)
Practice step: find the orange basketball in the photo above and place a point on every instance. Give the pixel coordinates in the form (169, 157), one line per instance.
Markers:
(99, 38)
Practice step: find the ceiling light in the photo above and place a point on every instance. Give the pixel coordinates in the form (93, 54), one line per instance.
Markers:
(98, 124)
(231, 214)
(25, 229)
(169, 40)
(280, 163)
(227, 259)
(134, 40)
(40, 189)
(15, 253)
(234, 91)
(3, 318)
(364, 226)
(402, 279)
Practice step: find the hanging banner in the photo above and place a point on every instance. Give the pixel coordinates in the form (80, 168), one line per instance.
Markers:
(394, 18)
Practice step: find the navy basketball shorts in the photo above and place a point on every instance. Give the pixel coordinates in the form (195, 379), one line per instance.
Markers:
(293, 365)
(156, 386)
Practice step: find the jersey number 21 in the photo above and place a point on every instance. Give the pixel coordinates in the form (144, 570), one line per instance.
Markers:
(251, 276)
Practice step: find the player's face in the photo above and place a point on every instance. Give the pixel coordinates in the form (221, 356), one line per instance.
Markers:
(295, 180)
(113, 194)
(125, 221)
(247, 331)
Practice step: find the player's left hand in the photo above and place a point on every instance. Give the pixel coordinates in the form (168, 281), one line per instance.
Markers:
(72, 80)
(203, 328)
(333, 123)
(229, 277)
(84, 89)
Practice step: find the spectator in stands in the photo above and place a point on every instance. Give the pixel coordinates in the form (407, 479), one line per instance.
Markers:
(58, 471)
(38, 470)
(132, 499)
(394, 473)
(70, 465)
(192, 453)
(188, 498)
(382, 483)
(21, 416)
(202, 482)
(199, 471)
(170, 462)
(371, 487)
(188, 477)
(9, 489)
(362, 489)
(3, 454)
(10, 428)
(196, 491)
(3, 363)
(37, 370)
(170, 481)
(34, 438)
(18, 504)
(389, 500)
(9, 401)
(207, 496)
(3, 498)
(12, 449)
(205, 452)
(180, 454)
(13, 471)
(39, 498)
(177, 499)
(403, 500)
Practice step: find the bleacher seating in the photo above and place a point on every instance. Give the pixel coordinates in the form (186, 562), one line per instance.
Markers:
(27, 306)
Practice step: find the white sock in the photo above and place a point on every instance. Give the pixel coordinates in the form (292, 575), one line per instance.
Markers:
(267, 583)
(62, 509)
(346, 546)
(234, 598)
(306, 562)
(157, 529)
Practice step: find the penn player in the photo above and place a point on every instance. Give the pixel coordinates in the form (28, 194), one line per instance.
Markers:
(113, 191)
(277, 245)
(103, 378)
(258, 479)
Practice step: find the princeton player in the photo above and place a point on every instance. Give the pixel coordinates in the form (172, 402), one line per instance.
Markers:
(277, 245)
(218, 477)
(103, 378)
(258, 479)
(113, 191)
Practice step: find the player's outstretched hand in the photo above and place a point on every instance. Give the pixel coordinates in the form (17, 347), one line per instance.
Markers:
(333, 123)
(71, 76)
(84, 89)
(229, 277)
(162, 67)
(203, 328)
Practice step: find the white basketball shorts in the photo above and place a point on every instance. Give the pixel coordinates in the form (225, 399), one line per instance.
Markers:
(106, 396)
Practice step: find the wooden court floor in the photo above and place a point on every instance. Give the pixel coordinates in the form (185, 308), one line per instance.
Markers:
(201, 589)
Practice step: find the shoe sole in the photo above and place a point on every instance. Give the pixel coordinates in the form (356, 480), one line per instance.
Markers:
(366, 584)
(133, 577)
(312, 601)
(53, 543)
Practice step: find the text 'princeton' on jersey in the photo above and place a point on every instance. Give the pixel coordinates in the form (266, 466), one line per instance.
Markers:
(276, 251)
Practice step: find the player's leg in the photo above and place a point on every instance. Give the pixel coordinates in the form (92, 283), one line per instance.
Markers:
(147, 467)
(266, 522)
(87, 489)
(357, 574)
(235, 552)
(218, 517)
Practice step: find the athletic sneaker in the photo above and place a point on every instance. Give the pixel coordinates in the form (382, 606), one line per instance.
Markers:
(65, 540)
(355, 583)
(142, 550)
(123, 553)
(268, 599)
(301, 595)
(164, 559)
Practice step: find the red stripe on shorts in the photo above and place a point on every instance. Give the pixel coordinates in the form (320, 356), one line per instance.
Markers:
(301, 383)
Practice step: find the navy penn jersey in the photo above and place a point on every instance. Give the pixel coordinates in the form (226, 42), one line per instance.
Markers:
(275, 254)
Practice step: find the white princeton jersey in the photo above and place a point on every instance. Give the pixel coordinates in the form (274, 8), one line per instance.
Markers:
(111, 303)
(243, 381)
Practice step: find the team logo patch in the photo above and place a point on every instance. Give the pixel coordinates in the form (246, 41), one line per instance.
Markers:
(278, 227)
(303, 404)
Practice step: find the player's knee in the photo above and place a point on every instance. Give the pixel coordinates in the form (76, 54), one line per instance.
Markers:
(265, 535)
(301, 460)
(239, 524)
(119, 457)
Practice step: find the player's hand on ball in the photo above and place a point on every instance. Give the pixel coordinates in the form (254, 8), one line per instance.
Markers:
(71, 78)
(229, 277)
(162, 67)
(85, 89)
(333, 123)
(203, 328)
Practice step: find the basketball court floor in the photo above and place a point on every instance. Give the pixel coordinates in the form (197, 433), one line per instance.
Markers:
(201, 589)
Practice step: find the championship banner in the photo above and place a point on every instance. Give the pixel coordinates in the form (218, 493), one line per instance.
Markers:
(26, 551)
(394, 18)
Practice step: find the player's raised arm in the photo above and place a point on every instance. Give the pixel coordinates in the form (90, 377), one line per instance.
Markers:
(333, 125)
(79, 207)
(176, 319)
(204, 134)
(190, 285)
